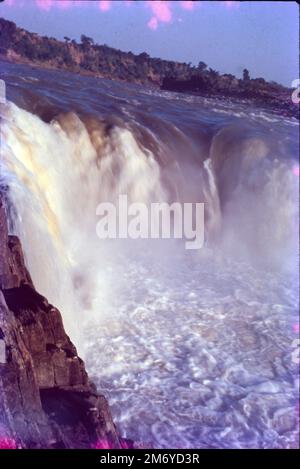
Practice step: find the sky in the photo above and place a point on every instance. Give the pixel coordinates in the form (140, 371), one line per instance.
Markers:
(227, 35)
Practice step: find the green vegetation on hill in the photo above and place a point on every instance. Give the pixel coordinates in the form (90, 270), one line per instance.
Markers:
(19, 45)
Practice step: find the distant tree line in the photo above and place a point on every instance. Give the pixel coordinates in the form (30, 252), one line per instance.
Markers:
(87, 56)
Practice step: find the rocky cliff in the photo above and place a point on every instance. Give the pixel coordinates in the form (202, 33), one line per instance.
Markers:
(46, 398)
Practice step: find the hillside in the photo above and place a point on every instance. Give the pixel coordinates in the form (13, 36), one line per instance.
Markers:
(86, 57)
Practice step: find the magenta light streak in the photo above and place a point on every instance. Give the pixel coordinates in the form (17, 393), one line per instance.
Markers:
(296, 170)
(105, 5)
(162, 11)
(153, 23)
(187, 5)
(104, 444)
(7, 443)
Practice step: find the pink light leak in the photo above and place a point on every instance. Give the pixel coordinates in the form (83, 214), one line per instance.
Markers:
(65, 4)
(7, 443)
(44, 4)
(187, 5)
(296, 328)
(161, 10)
(104, 444)
(296, 171)
(232, 4)
(101, 444)
(153, 23)
(105, 5)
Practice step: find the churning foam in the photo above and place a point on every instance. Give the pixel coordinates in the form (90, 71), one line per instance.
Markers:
(192, 350)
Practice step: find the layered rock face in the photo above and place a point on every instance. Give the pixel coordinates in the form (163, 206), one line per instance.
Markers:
(46, 398)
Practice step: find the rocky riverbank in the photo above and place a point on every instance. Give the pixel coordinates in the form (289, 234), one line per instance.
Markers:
(46, 397)
(255, 92)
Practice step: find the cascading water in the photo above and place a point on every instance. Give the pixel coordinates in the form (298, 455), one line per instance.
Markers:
(192, 348)
(56, 180)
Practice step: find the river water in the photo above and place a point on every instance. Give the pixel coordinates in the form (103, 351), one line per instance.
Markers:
(192, 348)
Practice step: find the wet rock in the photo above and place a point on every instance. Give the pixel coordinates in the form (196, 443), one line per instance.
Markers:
(46, 398)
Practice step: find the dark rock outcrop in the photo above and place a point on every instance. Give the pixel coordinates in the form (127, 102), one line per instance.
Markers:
(270, 96)
(46, 398)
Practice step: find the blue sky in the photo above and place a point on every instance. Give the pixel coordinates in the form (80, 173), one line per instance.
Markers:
(228, 36)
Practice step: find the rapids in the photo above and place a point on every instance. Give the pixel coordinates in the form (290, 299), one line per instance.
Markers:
(192, 348)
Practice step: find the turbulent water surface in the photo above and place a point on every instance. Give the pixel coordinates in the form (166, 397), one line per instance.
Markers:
(192, 348)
